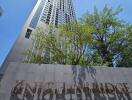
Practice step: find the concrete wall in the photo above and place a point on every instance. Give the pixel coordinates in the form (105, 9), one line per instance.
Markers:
(58, 82)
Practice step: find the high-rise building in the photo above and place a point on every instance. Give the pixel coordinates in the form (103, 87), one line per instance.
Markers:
(58, 12)
(1, 11)
(45, 12)
(52, 12)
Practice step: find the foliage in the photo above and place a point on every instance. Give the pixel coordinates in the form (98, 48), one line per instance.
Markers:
(126, 51)
(100, 38)
(66, 45)
(111, 37)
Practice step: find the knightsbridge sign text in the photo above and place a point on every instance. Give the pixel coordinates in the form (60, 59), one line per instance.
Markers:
(23, 90)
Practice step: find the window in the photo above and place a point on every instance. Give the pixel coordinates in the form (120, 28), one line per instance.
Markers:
(28, 33)
(49, 15)
(36, 16)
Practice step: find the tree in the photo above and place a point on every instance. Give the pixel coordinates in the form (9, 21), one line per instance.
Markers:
(100, 38)
(111, 37)
(76, 38)
(67, 44)
(126, 55)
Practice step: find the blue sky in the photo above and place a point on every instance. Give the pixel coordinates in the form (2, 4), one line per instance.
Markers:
(81, 6)
(15, 14)
(17, 11)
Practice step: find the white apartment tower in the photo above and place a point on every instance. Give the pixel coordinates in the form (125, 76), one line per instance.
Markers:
(51, 12)
(58, 12)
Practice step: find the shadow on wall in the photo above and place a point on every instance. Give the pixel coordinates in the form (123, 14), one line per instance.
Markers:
(24, 90)
(79, 74)
(101, 91)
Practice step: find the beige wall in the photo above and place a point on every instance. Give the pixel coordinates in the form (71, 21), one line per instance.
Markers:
(104, 83)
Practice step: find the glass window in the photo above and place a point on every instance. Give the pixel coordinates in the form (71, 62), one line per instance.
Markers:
(36, 16)
(28, 33)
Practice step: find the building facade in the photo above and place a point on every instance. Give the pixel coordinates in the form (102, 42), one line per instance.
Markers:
(45, 12)
(52, 12)
(1, 11)
(58, 12)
